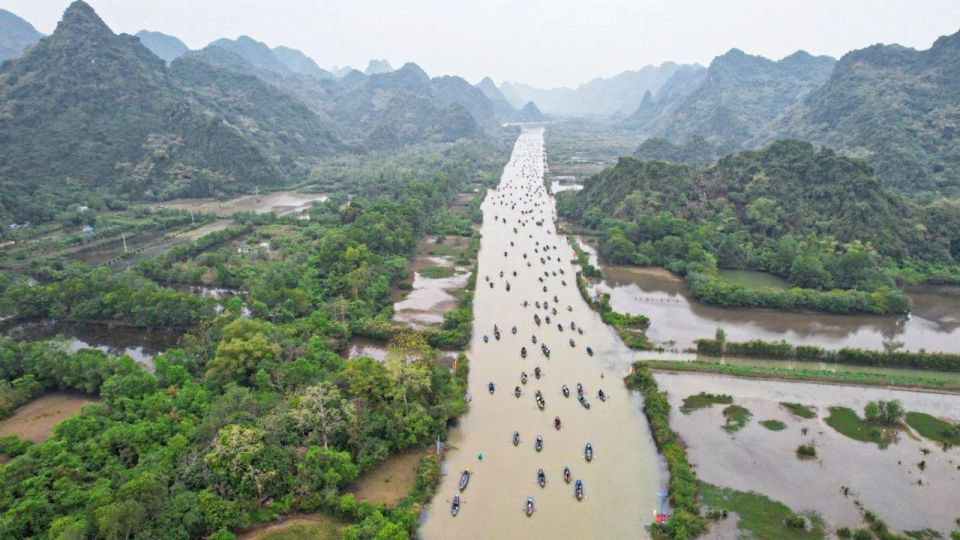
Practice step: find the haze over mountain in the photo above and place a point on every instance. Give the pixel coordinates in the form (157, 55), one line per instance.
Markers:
(16, 35)
(729, 103)
(87, 109)
(897, 107)
(168, 48)
(620, 94)
(378, 67)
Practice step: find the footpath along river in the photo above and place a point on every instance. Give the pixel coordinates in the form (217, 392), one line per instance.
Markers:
(622, 482)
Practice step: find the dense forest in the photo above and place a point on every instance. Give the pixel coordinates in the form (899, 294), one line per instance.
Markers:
(822, 221)
(255, 415)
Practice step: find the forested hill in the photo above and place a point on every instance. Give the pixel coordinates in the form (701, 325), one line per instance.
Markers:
(737, 95)
(811, 216)
(86, 109)
(16, 35)
(169, 48)
(897, 107)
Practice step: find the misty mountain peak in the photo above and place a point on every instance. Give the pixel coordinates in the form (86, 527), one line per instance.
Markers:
(377, 67)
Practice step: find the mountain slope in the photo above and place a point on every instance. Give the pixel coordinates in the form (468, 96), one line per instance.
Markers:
(740, 94)
(87, 110)
(896, 107)
(378, 67)
(300, 63)
(16, 35)
(168, 48)
(620, 94)
(501, 107)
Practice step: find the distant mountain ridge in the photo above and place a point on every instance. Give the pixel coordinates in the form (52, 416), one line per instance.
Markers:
(896, 107)
(732, 100)
(16, 35)
(167, 47)
(600, 97)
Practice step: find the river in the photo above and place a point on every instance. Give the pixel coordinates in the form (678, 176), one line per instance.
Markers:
(622, 482)
(677, 319)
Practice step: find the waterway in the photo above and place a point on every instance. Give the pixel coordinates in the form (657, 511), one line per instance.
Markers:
(624, 478)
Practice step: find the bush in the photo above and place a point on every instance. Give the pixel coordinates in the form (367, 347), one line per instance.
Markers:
(806, 451)
(796, 522)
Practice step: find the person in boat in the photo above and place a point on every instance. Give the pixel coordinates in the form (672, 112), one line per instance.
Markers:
(501, 273)
(546, 305)
(508, 286)
(547, 318)
(565, 390)
(533, 339)
(541, 478)
(523, 352)
(560, 327)
(455, 506)
(579, 389)
(491, 387)
(539, 443)
(464, 479)
(530, 507)
(588, 452)
(525, 304)
(556, 422)
(578, 490)
(573, 325)
(516, 438)
(566, 474)
(580, 331)
(538, 395)
(514, 330)
(536, 372)
(486, 338)
(523, 377)
(554, 311)
(589, 351)
(555, 299)
(573, 343)
(516, 391)
(601, 395)
(491, 284)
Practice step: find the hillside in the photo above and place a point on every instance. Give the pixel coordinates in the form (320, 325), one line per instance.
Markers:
(896, 107)
(739, 94)
(89, 110)
(617, 95)
(814, 217)
(501, 107)
(168, 48)
(16, 35)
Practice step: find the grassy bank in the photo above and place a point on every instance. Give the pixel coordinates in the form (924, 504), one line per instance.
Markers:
(808, 375)
(686, 521)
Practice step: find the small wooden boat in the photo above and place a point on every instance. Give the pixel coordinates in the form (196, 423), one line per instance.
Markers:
(601, 395)
(556, 423)
(514, 330)
(559, 327)
(464, 479)
(516, 392)
(523, 352)
(536, 372)
(486, 339)
(578, 490)
(533, 339)
(491, 387)
(538, 445)
(588, 452)
(523, 378)
(516, 438)
(590, 351)
(565, 390)
(573, 343)
(541, 403)
(541, 478)
(566, 474)
(530, 507)
(584, 402)
(455, 506)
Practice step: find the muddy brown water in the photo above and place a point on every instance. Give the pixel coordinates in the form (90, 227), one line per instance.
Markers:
(35, 420)
(281, 202)
(622, 481)
(756, 459)
(677, 318)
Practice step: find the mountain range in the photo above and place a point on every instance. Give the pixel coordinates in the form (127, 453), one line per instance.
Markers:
(89, 111)
(602, 97)
(16, 35)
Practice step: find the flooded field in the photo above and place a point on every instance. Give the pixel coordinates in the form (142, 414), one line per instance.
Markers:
(755, 458)
(390, 481)
(622, 481)
(35, 420)
(296, 527)
(556, 186)
(366, 347)
(139, 344)
(281, 202)
(436, 277)
(934, 323)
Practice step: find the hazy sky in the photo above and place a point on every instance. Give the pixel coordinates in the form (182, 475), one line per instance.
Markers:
(541, 42)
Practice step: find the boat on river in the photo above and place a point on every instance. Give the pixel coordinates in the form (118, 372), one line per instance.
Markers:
(464, 479)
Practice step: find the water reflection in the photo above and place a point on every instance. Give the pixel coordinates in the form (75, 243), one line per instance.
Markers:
(139, 344)
(677, 318)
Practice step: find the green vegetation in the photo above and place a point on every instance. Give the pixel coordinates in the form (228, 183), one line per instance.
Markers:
(760, 516)
(300, 531)
(798, 409)
(773, 425)
(781, 210)
(686, 521)
(736, 418)
(704, 400)
(583, 261)
(846, 422)
(806, 451)
(934, 428)
(752, 280)
(437, 272)
(781, 350)
(843, 377)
